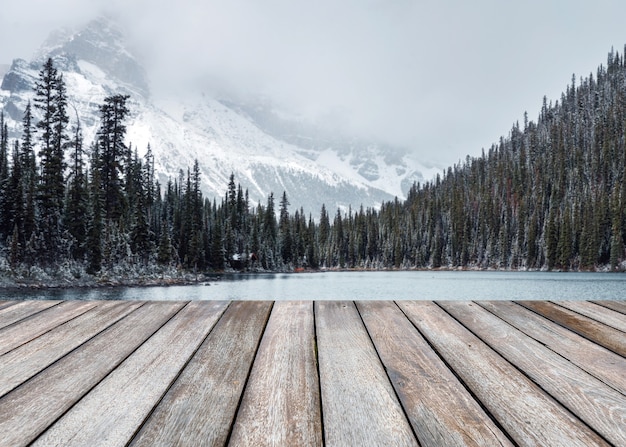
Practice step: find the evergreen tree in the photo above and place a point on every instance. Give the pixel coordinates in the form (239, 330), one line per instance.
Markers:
(15, 250)
(217, 246)
(564, 246)
(164, 254)
(14, 212)
(112, 150)
(324, 236)
(284, 229)
(5, 193)
(269, 235)
(51, 100)
(19, 205)
(28, 168)
(151, 187)
(76, 207)
(95, 224)
(617, 242)
(140, 234)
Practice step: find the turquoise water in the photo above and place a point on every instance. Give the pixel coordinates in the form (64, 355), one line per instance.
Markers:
(422, 285)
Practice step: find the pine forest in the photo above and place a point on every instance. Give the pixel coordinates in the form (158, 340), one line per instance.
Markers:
(551, 195)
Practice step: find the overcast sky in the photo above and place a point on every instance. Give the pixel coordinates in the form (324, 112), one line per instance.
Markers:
(444, 77)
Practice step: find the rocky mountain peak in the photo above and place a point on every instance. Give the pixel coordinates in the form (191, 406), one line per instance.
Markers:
(102, 43)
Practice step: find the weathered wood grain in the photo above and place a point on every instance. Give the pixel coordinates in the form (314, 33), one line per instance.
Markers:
(281, 403)
(113, 411)
(359, 405)
(94, 377)
(593, 358)
(441, 410)
(23, 309)
(602, 314)
(200, 406)
(600, 333)
(31, 408)
(31, 327)
(598, 405)
(529, 415)
(29, 359)
(5, 304)
(617, 306)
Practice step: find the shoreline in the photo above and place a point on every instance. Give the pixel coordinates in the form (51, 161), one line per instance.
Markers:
(177, 278)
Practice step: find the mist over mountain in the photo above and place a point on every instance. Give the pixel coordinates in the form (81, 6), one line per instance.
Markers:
(549, 195)
(267, 149)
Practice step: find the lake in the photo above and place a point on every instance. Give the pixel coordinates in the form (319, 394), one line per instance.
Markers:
(407, 285)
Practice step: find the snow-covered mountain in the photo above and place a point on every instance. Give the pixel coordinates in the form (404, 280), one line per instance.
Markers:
(267, 150)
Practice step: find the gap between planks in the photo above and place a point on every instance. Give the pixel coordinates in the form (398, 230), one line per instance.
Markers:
(360, 361)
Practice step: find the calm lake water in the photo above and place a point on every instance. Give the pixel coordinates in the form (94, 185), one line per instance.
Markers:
(421, 285)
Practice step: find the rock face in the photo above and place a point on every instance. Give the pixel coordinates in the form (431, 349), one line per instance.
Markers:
(266, 151)
(12, 81)
(102, 44)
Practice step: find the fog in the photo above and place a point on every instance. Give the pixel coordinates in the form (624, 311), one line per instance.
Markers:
(445, 78)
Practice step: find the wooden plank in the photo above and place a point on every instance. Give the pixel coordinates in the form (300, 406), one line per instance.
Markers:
(617, 306)
(29, 359)
(441, 410)
(600, 333)
(114, 410)
(200, 406)
(32, 327)
(598, 405)
(31, 408)
(23, 309)
(529, 415)
(5, 304)
(593, 358)
(602, 314)
(359, 405)
(281, 403)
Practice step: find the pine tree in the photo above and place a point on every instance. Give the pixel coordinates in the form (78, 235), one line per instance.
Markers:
(137, 211)
(4, 178)
(312, 255)
(564, 247)
(339, 256)
(140, 234)
(15, 250)
(617, 243)
(164, 254)
(112, 150)
(51, 100)
(76, 207)
(95, 225)
(324, 236)
(28, 168)
(269, 235)
(151, 186)
(552, 239)
(217, 246)
(286, 241)
(19, 205)
(14, 212)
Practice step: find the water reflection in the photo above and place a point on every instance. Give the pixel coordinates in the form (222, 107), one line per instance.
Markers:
(423, 285)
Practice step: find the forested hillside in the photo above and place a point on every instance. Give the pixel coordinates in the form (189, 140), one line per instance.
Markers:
(550, 195)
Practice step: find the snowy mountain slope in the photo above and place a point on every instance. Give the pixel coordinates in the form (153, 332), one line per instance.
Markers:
(388, 168)
(267, 152)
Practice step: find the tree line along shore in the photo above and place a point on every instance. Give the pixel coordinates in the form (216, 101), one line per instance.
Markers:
(549, 195)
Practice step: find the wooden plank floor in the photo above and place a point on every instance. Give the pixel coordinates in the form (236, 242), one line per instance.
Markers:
(302, 373)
